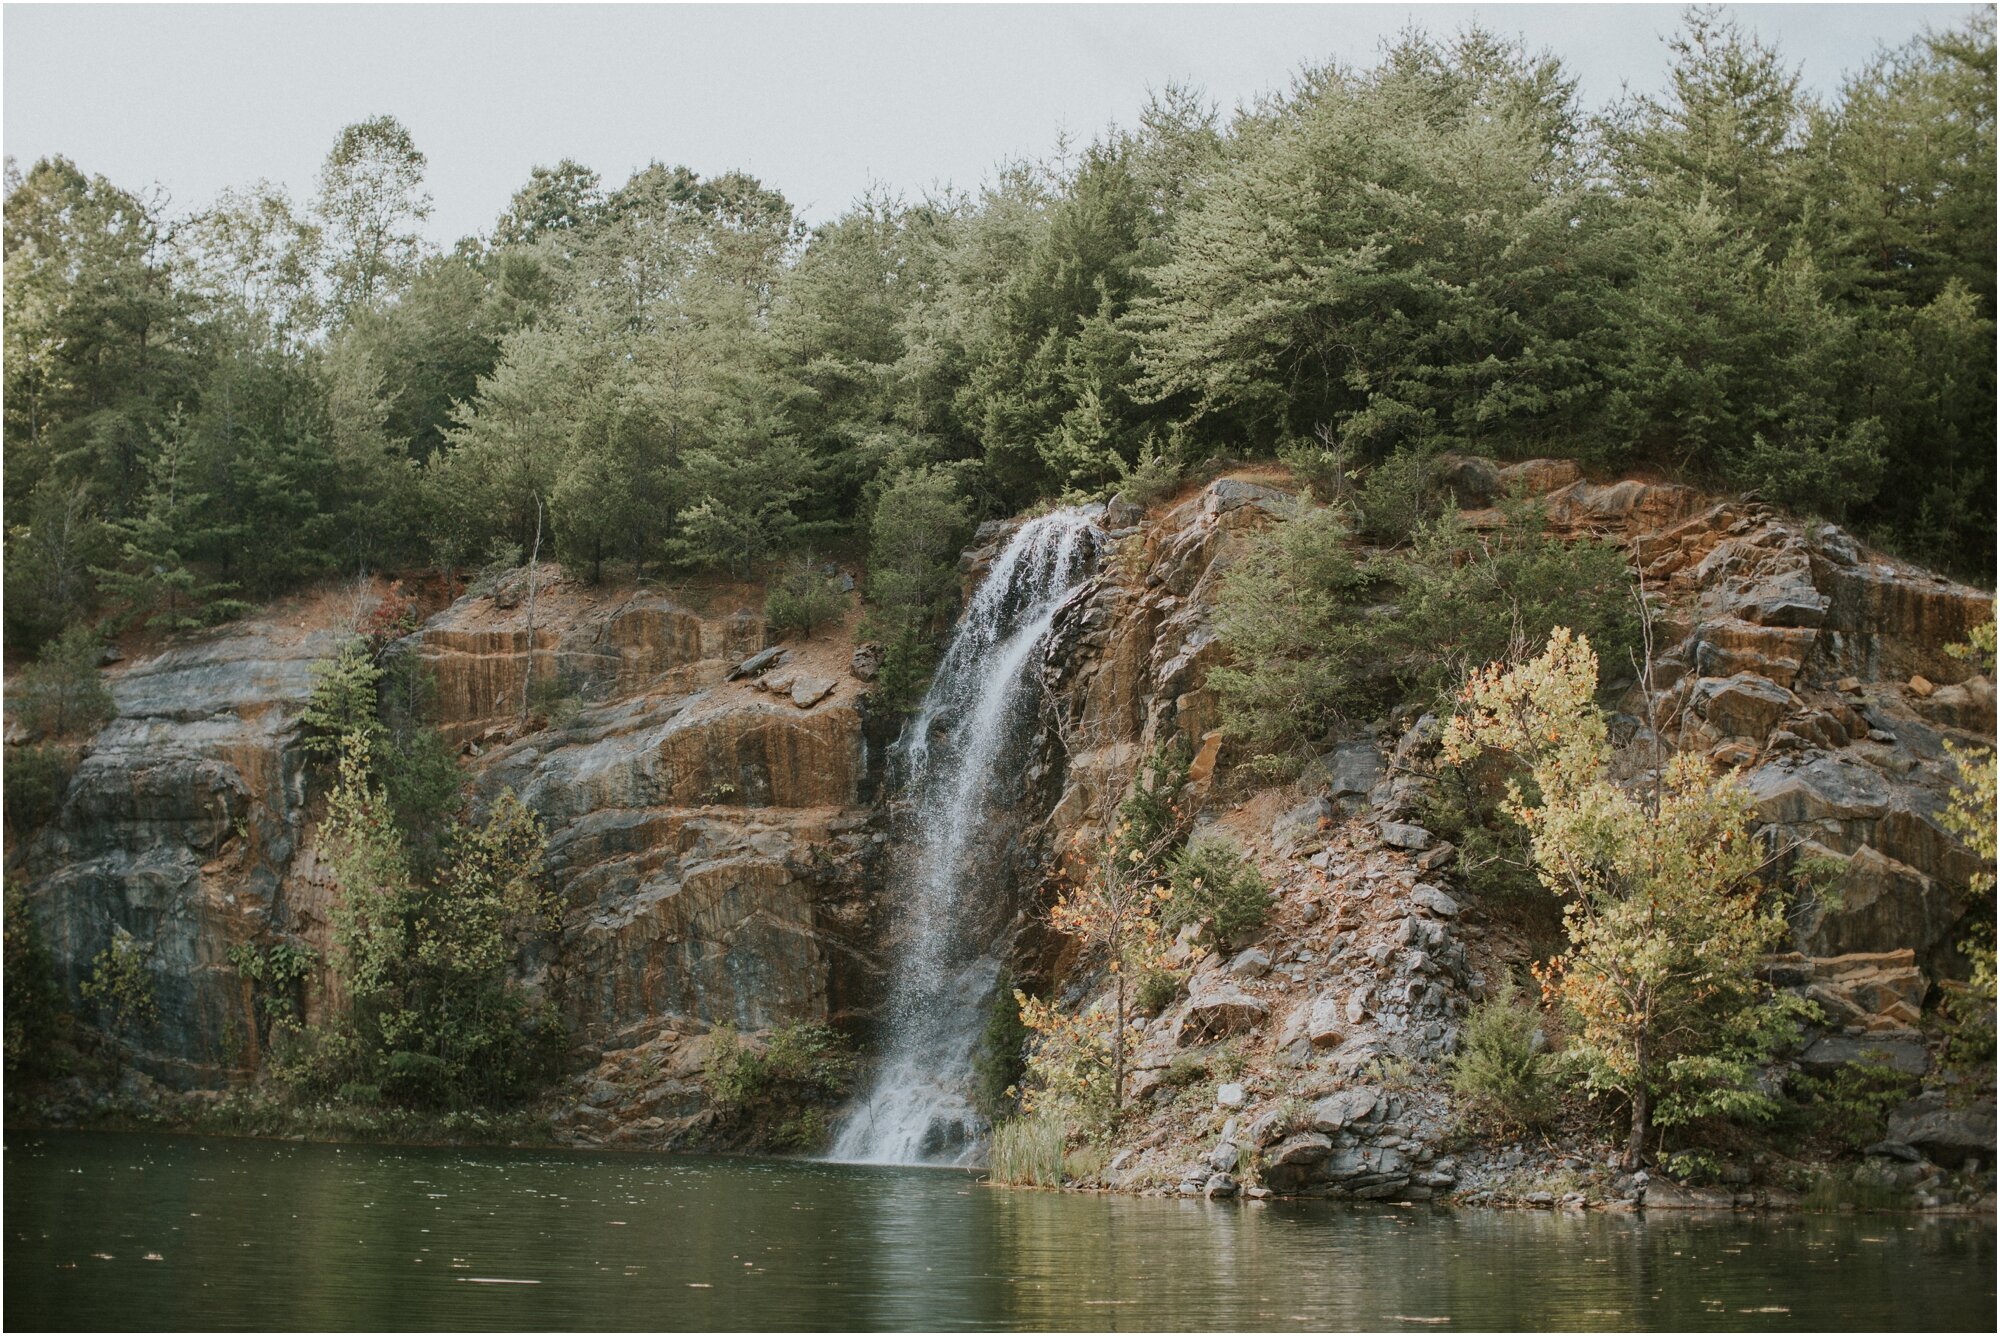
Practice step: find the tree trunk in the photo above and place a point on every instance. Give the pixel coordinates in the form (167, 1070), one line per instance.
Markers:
(1118, 1048)
(534, 568)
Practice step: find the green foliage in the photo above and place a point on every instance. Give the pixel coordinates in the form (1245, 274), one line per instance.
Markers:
(1397, 496)
(1850, 1108)
(31, 994)
(342, 702)
(1498, 1072)
(807, 595)
(432, 1016)
(1317, 630)
(278, 973)
(1212, 884)
(1155, 990)
(62, 692)
(782, 1087)
(120, 987)
(1002, 1059)
(386, 699)
(919, 527)
(36, 779)
(1665, 917)
(1027, 1151)
(1152, 812)
(1289, 611)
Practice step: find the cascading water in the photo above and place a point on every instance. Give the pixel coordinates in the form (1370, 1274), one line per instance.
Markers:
(955, 769)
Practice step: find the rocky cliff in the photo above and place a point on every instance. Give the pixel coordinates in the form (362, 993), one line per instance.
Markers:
(1809, 666)
(710, 836)
(716, 833)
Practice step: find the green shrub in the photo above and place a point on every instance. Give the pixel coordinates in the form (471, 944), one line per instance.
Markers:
(1397, 495)
(1323, 465)
(37, 777)
(1850, 1106)
(1153, 991)
(120, 987)
(807, 595)
(62, 692)
(1153, 479)
(1153, 809)
(1319, 632)
(800, 1066)
(31, 993)
(1185, 1069)
(1212, 884)
(1497, 1072)
(997, 1071)
(1027, 1151)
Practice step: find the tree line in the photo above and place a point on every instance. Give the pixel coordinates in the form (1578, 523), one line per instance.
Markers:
(1730, 279)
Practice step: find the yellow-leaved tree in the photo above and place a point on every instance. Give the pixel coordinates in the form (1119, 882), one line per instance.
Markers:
(1969, 1036)
(1108, 906)
(1665, 916)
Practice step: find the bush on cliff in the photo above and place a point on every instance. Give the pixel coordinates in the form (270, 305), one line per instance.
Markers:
(1320, 631)
(62, 692)
(1212, 885)
(807, 595)
(1503, 1073)
(777, 1094)
(1666, 917)
(432, 1016)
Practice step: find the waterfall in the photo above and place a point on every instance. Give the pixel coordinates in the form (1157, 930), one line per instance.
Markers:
(958, 768)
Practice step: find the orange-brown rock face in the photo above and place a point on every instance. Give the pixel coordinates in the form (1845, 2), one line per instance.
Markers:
(696, 840)
(594, 643)
(711, 837)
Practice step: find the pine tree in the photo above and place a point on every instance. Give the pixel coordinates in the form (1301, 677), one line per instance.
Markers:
(154, 578)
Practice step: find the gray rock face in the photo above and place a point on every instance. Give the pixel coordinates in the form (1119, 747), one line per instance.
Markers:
(1401, 835)
(1217, 1011)
(1351, 772)
(1946, 1133)
(1341, 1110)
(176, 829)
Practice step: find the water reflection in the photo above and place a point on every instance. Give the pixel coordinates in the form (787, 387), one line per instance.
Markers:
(130, 1232)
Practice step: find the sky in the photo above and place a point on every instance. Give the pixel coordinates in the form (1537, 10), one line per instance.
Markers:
(821, 101)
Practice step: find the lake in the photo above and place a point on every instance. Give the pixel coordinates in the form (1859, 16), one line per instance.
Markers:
(108, 1230)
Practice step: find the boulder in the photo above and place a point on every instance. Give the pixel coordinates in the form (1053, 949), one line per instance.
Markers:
(1344, 1108)
(1230, 1095)
(1432, 900)
(1948, 1134)
(1219, 1185)
(1216, 1011)
(758, 662)
(866, 661)
(810, 691)
(1400, 835)
(1253, 963)
(1742, 705)
(1317, 1022)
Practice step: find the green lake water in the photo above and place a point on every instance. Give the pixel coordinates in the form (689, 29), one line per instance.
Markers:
(128, 1231)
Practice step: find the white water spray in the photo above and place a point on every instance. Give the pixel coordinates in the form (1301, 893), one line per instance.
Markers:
(957, 770)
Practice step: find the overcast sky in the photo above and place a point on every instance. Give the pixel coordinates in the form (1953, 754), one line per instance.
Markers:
(818, 100)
